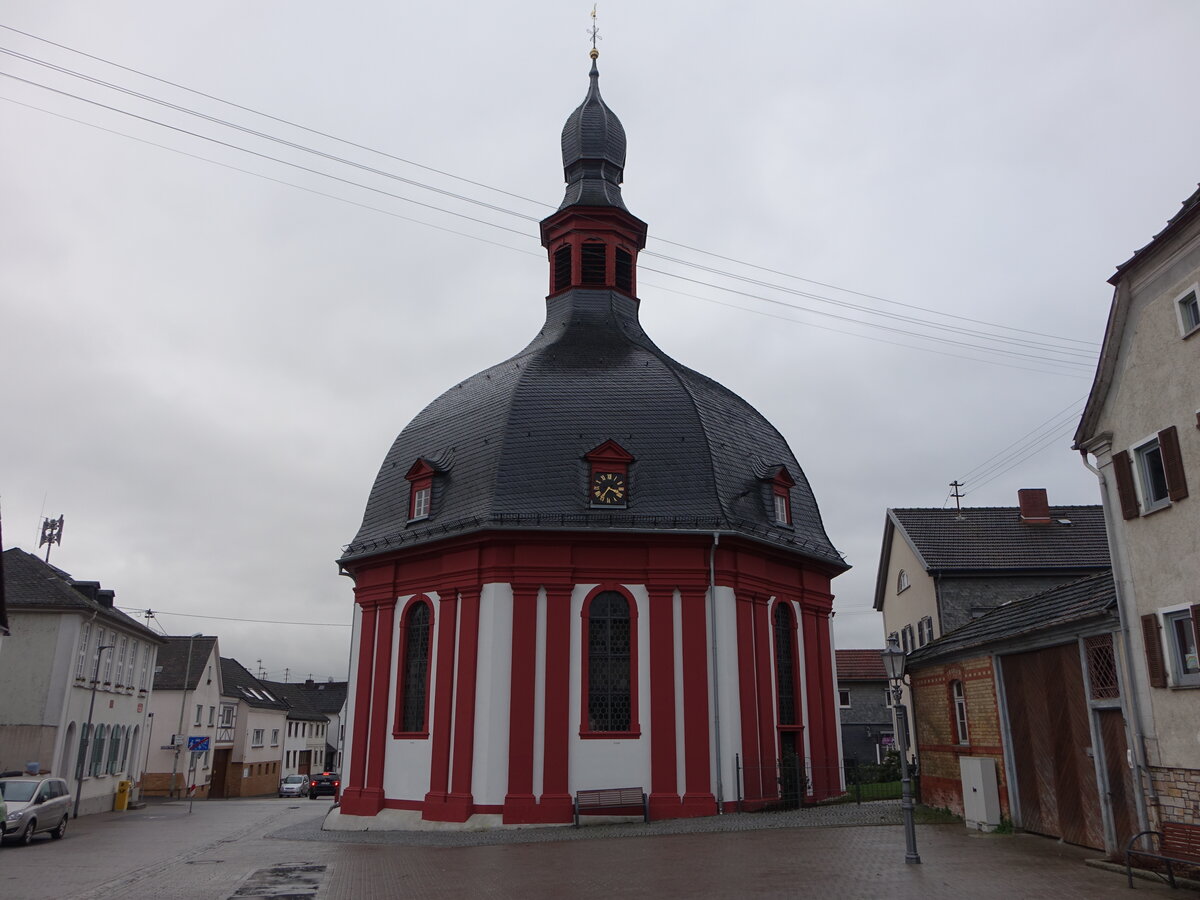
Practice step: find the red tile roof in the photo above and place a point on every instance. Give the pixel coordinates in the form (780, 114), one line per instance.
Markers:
(860, 665)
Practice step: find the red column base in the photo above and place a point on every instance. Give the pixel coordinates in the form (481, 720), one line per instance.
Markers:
(557, 808)
(523, 809)
(361, 802)
(447, 807)
(664, 806)
(695, 805)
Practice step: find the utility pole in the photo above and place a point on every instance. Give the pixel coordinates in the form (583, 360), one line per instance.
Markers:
(957, 495)
(52, 530)
(187, 679)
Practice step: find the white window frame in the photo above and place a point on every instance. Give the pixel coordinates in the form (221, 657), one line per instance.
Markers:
(902, 582)
(199, 714)
(226, 716)
(421, 503)
(85, 638)
(958, 693)
(924, 631)
(843, 698)
(781, 510)
(256, 738)
(1172, 619)
(1143, 454)
(131, 671)
(274, 737)
(1187, 308)
(212, 716)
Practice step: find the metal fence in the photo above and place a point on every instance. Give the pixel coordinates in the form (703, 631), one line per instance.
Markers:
(794, 781)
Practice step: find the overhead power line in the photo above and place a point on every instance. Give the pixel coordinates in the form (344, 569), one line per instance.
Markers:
(163, 612)
(1040, 351)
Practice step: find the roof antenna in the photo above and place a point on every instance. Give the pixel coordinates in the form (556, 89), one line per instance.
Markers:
(954, 486)
(52, 530)
(594, 31)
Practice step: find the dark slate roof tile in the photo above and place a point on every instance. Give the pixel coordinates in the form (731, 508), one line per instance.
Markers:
(1093, 597)
(175, 673)
(990, 538)
(236, 681)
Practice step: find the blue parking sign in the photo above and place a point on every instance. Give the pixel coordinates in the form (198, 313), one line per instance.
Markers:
(198, 744)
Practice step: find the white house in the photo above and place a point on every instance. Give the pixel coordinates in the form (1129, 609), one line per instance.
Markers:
(73, 659)
(187, 704)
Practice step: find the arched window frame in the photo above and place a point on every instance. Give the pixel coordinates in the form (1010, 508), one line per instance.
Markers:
(792, 645)
(902, 582)
(958, 708)
(97, 763)
(114, 750)
(585, 729)
(410, 609)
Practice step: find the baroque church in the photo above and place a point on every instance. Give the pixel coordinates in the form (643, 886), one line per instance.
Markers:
(588, 567)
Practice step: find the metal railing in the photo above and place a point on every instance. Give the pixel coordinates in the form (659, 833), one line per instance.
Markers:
(794, 781)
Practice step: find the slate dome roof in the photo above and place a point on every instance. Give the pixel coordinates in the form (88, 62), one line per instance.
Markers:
(508, 445)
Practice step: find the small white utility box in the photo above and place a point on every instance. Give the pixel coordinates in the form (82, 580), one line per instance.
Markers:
(981, 794)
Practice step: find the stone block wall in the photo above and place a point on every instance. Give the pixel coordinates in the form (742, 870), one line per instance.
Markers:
(1178, 795)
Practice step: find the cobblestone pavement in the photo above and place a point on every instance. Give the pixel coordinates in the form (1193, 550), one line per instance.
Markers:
(275, 848)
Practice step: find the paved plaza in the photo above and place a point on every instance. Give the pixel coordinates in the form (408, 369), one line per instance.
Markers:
(275, 848)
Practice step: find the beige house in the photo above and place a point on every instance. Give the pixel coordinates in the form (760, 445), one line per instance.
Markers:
(252, 766)
(1140, 428)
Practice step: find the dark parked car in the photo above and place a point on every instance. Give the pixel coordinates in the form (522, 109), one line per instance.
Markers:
(327, 784)
(35, 803)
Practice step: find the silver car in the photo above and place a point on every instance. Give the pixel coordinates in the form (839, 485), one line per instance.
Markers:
(35, 803)
(293, 786)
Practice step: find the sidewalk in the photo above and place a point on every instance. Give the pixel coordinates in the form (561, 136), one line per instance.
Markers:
(271, 848)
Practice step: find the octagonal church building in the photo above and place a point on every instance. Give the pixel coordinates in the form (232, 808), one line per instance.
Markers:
(588, 567)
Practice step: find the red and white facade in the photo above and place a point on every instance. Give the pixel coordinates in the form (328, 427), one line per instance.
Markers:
(503, 731)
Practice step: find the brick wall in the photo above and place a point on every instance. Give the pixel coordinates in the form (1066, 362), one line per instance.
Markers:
(158, 784)
(938, 748)
(252, 779)
(1178, 794)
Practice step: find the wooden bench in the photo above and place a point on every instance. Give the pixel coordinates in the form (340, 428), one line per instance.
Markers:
(611, 799)
(1177, 843)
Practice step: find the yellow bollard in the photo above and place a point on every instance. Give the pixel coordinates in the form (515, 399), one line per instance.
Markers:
(121, 800)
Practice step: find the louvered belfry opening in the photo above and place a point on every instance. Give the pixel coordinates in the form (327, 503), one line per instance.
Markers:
(562, 268)
(624, 271)
(593, 262)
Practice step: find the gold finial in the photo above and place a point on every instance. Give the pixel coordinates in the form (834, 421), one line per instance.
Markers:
(594, 31)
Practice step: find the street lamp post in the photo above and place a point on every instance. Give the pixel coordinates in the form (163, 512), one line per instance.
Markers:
(187, 678)
(87, 733)
(893, 662)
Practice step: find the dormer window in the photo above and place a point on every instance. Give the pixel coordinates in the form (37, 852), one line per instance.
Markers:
(608, 476)
(420, 491)
(781, 496)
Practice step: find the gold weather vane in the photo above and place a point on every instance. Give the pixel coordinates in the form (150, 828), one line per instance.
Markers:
(594, 32)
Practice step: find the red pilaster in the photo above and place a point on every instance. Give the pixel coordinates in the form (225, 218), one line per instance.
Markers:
(381, 682)
(748, 699)
(821, 711)
(439, 767)
(520, 806)
(767, 743)
(352, 799)
(664, 780)
(698, 798)
(460, 804)
(555, 803)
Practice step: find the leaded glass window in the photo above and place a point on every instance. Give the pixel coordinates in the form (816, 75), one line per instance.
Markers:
(609, 682)
(785, 665)
(415, 688)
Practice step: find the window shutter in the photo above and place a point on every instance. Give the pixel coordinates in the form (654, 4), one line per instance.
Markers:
(1168, 443)
(1123, 468)
(1154, 654)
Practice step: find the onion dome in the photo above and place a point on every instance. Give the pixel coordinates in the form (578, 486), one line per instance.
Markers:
(593, 151)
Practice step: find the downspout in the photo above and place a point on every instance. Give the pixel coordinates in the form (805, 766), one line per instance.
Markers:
(1139, 737)
(712, 617)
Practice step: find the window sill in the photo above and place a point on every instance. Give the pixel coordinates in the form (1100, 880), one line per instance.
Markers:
(1192, 333)
(416, 519)
(1186, 686)
(410, 735)
(610, 735)
(1157, 508)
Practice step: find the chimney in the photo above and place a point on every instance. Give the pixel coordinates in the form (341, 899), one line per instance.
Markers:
(308, 683)
(89, 589)
(105, 597)
(1035, 507)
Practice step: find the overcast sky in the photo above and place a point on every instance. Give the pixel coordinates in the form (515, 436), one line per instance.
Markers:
(204, 367)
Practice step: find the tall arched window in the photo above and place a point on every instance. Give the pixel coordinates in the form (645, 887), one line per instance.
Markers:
(960, 711)
(412, 693)
(785, 665)
(609, 644)
(97, 766)
(81, 761)
(114, 750)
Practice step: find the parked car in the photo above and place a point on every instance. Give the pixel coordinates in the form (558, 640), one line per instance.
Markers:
(35, 804)
(293, 786)
(327, 784)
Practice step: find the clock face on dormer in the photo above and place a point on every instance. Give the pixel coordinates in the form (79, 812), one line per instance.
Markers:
(609, 489)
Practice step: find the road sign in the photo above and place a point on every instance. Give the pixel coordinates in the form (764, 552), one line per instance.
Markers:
(198, 744)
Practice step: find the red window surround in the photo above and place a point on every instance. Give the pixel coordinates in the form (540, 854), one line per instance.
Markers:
(635, 730)
(781, 497)
(420, 490)
(402, 667)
